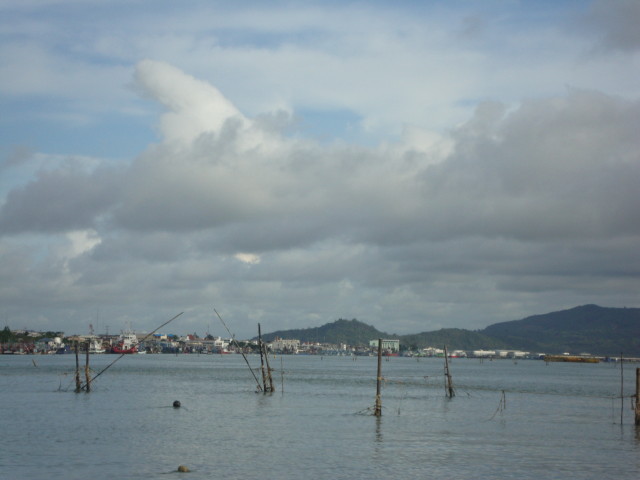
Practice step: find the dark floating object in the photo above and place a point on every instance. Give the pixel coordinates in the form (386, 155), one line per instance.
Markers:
(176, 404)
(182, 468)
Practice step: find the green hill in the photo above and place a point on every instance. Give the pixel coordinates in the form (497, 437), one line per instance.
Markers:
(351, 332)
(356, 333)
(588, 328)
(453, 338)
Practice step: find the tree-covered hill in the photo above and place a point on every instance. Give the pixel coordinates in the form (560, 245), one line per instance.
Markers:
(453, 338)
(356, 333)
(351, 332)
(588, 328)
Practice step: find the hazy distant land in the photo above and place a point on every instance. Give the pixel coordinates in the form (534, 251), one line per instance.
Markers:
(584, 329)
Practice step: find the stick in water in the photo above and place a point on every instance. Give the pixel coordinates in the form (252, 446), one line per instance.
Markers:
(86, 385)
(233, 339)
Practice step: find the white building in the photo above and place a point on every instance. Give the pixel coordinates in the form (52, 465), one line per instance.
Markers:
(433, 352)
(283, 344)
(393, 345)
(484, 353)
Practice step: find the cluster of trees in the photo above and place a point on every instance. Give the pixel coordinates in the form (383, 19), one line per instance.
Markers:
(7, 336)
(351, 332)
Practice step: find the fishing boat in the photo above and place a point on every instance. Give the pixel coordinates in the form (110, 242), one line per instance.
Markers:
(127, 343)
(95, 346)
(571, 358)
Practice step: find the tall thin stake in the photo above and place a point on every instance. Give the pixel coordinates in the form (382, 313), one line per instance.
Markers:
(378, 409)
(281, 374)
(637, 404)
(264, 374)
(449, 388)
(233, 339)
(270, 386)
(87, 376)
(78, 384)
(621, 388)
(85, 386)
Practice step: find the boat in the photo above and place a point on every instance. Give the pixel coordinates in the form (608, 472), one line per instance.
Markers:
(127, 343)
(571, 358)
(95, 346)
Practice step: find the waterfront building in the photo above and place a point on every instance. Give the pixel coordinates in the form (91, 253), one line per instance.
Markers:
(393, 345)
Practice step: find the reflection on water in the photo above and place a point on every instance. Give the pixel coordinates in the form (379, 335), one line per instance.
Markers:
(560, 420)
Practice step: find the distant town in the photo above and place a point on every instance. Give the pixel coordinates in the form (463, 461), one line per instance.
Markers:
(22, 342)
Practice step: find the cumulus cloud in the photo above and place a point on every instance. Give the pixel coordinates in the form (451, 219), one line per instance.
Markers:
(615, 24)
(194, 106)
(513, 203)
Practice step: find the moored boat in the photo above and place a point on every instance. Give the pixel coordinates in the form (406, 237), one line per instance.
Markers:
(571, 358)
(95, 346)
(127, 343)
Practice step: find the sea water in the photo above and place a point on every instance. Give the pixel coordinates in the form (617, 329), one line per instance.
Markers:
(508, 419)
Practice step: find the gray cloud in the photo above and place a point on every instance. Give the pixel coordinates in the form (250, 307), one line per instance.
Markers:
(528, 206)
(615, 24)
(59, 201)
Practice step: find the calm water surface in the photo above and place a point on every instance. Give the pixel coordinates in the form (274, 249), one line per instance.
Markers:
(554, 421)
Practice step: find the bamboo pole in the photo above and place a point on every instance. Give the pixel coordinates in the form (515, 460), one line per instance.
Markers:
(269, 386)
(233, 339)
(281, 374)
(621, 388)
(87, 376)
(78, 385)
(449, 386)
(637, 409)
(378, 409)
(264, 374)
(123, 354)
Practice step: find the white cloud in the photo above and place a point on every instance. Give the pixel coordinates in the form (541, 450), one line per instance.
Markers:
(248, 258)
(487, 189)
(195, 107)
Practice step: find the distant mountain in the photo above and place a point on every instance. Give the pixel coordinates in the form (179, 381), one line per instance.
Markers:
(453, 338)
(351, 332)
(589, 328)
(356, 333)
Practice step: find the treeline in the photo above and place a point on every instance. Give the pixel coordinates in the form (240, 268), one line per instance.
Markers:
(585, 329)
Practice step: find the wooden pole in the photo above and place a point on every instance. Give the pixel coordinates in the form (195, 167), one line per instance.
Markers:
(123, 354)
(233, 339)
(281, 374)
(264, 375)
(378, 408)
(87, 376)
(449, 387)
(637, 409)
(270, 386)
(78, 385)
(621, 388)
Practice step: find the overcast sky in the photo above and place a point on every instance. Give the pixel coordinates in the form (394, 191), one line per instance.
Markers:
(414, 165)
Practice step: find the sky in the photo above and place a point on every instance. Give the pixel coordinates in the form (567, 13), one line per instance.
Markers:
(413, 165)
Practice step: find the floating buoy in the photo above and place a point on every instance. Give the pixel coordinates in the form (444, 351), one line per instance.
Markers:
(182, 468)
(176, 404)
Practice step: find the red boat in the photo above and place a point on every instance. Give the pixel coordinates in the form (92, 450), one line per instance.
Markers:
(128, 343)
(120, 348)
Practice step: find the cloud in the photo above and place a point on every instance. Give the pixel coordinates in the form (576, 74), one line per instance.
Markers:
(615, 24)
(516, 203)
(59, 200)
(194, 106)
(554, 160)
